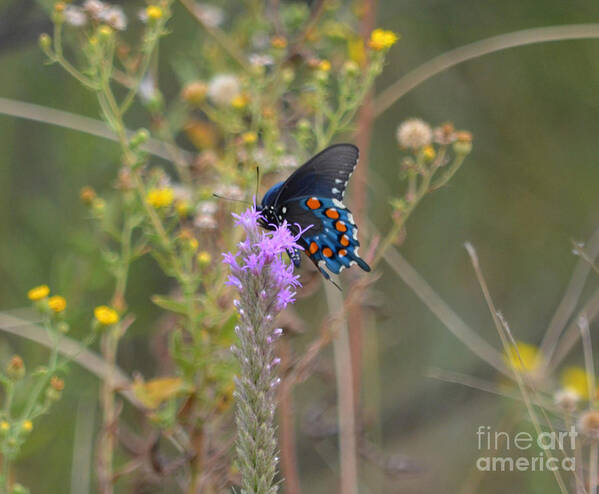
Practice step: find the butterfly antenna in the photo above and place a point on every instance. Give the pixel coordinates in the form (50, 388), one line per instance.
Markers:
(230, 199)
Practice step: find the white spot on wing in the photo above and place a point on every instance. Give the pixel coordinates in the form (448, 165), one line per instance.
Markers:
(350, 217)
(338, 181)
(335, 190)
(355, 234)
(338, 203)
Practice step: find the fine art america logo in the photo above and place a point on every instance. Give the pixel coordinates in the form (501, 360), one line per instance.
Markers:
(520, 452)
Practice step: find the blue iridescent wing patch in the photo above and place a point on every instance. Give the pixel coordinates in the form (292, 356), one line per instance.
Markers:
(334, 243)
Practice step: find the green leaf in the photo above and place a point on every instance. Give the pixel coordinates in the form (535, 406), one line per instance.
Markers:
(170, 304)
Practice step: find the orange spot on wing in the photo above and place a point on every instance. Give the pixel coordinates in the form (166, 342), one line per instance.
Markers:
(313, 203)
(341, 226)
(332, 213)
(313, 248)
(342, 253)
(344, 240)
(326, 252)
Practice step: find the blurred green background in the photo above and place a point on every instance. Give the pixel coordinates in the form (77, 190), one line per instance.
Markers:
(527, 189)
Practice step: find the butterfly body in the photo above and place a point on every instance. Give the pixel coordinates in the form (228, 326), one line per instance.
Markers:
(312, 197)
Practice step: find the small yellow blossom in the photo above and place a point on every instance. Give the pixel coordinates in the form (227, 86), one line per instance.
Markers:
(160, 197)
(278, 42)
(57, 303)
(523, 357)
(429, 153)
(324, 65)
(38, 293)
(27, 426)
(249, 137)
(204, 258)
(240, 101)
(576, 379)
(105, 31)
(106, 315)
(381, 39)
(154, 12)
(183, 208)
(4, 426)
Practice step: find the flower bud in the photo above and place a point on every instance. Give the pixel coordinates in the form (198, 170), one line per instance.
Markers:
(15, 369)
(45, 42)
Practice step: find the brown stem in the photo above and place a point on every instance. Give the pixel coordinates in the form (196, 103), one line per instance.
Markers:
(286, 426)
(359, 191)
(197, 442)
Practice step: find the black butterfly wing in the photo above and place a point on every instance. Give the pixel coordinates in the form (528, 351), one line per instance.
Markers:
(325, 175)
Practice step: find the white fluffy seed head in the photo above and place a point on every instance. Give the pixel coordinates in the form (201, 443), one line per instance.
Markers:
(223, 89)
(414, 133)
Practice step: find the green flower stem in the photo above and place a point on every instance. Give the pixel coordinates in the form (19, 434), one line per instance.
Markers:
(58, 57)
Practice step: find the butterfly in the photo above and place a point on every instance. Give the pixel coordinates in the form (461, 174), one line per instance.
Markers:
(312, 197)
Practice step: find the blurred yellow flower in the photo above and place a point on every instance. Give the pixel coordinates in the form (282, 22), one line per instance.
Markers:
(57, 303)
(249, 137)
(38, 293)
(429, 153)
(105, 315)
(576, 379)
(204, 258)
(27, 426)
(154, 12)
(523, 357)
(324, 65)
(4, 426)
(183, 208)
(105, 32)
(240, 101)
(156, 391)
(381, 39)
(160, 197)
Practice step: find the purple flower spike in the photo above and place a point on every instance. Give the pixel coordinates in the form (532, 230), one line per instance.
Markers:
(266, 285)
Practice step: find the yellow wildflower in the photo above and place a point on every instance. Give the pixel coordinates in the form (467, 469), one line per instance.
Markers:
(27, 426)
(576, 379)
(429, 153)
(249, 137)
(57, 303)
(4, 426)
(104, 32)
(106, 315)
(160, 197)
(154, 12)
(204, 258)
(183, 208)
(38, 293)
(324, 65)
(240, 101)
(523, 357)
(381, 39)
